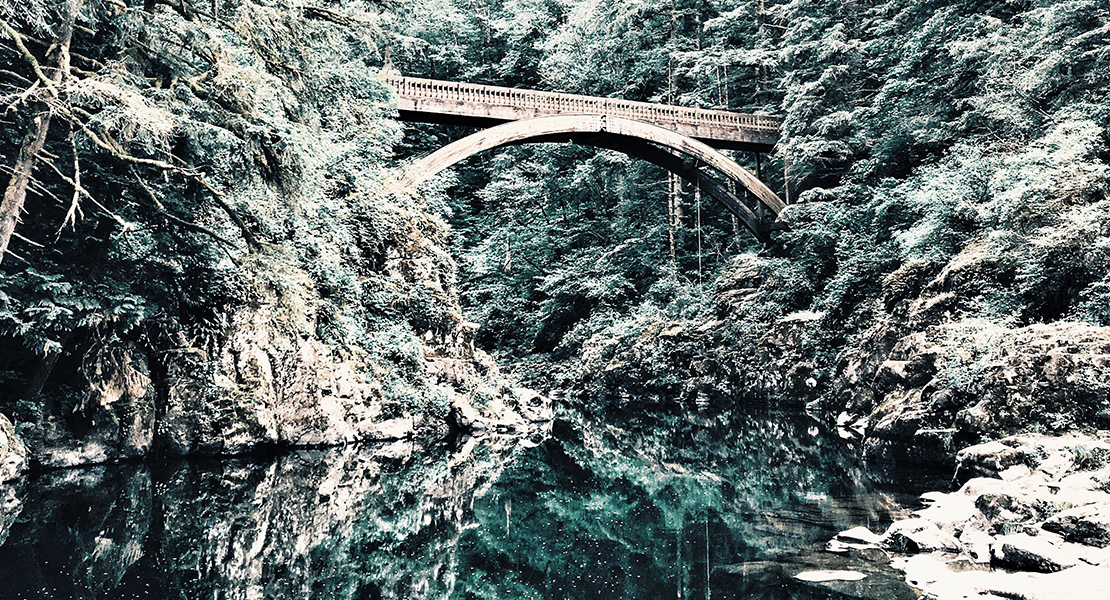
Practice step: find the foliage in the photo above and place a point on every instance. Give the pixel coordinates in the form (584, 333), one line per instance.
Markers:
(219, 159)
(943, 160)
(967, 140)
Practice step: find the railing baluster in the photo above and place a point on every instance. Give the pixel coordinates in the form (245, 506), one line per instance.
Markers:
(548, 102)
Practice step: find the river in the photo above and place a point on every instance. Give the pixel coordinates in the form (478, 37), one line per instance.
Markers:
(662, 507)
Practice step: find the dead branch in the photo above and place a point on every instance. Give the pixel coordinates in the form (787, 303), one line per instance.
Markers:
(30, 58)
(8, 252)
(22, 98)
(91, 61)
(77, 189)
(109, 145)
(35, 186)
(15, 75)
(74, 204)
(177, 220)
(27, 241)
(326, 14)
(219, 196)
(113, 149)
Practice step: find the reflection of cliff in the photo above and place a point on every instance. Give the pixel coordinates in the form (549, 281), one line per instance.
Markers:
(78, 535)
(337, 523)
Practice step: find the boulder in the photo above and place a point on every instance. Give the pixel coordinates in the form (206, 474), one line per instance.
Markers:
(1088, 525)
(1009, 508)
(919, 535)
(859, 535)
(989, 459)
(1024, 552)
(951, 512)
(937, 580)
(978, 544)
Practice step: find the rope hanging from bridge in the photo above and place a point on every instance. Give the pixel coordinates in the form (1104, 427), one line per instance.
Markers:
(697, 201)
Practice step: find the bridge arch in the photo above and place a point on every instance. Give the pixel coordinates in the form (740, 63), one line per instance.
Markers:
(660, 146)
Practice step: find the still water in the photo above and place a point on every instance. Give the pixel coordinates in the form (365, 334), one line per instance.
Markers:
(666, 508)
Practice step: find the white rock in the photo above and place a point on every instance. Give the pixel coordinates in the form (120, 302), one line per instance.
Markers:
(919, 535)
(1015, 472)
(978, 545)
(859, 535)
(936, 580)
(829, 576)
(948, 511)
(1028, 553)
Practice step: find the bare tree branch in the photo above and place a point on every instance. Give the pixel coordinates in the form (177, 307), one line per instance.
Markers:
(77, 189)
(27, 241)
(179, 221)
(30, 58)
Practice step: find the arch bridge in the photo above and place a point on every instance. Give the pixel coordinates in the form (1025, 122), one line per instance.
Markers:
(682, 140)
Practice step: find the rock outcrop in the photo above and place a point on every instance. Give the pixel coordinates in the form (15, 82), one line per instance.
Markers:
(957, 384)
(13, 454)
(263, 386)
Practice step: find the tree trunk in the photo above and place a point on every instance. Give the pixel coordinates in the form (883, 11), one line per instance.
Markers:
(786, 174)
(674, 214)
(697, 203)
(16, 193)
(670, 53)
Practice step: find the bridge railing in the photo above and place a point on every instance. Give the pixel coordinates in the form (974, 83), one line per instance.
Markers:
(414, 87)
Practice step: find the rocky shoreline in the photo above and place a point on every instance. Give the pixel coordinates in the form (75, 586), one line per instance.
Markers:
(1030, 522)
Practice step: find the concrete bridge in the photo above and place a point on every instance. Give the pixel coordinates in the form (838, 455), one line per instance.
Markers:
(682, 140)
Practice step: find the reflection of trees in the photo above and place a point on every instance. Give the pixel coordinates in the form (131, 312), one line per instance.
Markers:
(590, 511)
(626, 512)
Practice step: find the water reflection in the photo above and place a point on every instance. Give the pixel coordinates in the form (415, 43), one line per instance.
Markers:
(640, 511)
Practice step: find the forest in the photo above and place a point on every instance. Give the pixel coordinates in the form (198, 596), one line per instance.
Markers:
(201, 253)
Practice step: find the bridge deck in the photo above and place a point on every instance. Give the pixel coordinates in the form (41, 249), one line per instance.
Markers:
(429, 100)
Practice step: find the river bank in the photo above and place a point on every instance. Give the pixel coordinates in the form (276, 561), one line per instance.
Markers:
(1031, 522)
(261, 389)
